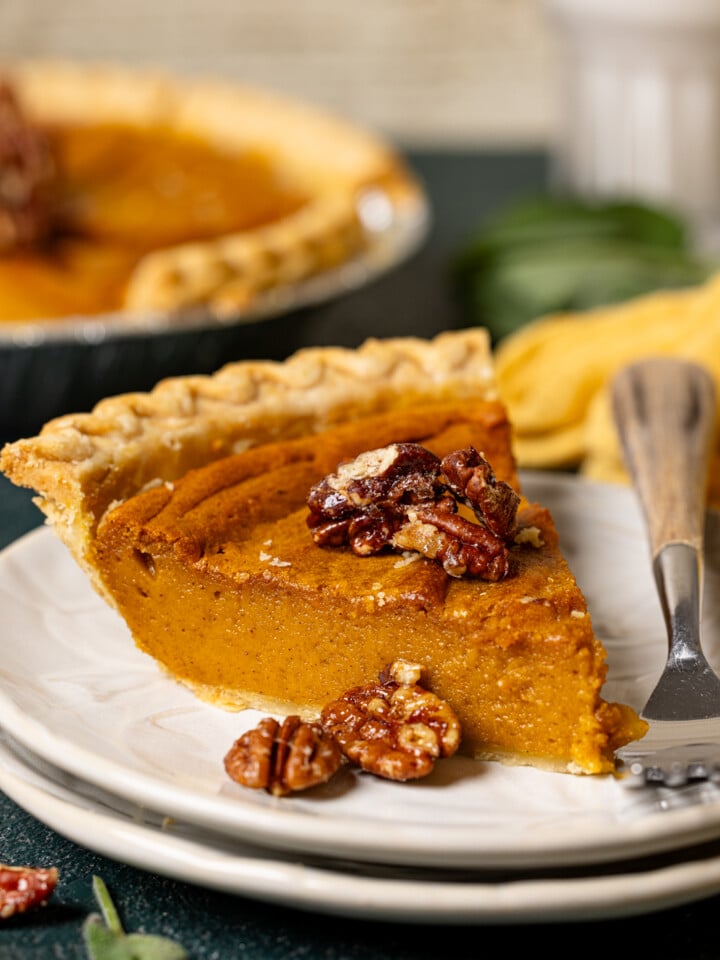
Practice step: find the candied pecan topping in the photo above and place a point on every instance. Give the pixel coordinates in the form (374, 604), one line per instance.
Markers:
(394, 728)
(402, 497)
(472, 480)
(23, 888)
(464, 548)
(26, 171)
(364, 503)
(283, 758)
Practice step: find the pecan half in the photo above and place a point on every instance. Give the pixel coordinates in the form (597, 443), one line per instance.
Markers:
(472, 480)
(26, 172)
(464, 548)
(399, 497)
(24, 888)
(394, 728)
(283, 758)
(365, 502)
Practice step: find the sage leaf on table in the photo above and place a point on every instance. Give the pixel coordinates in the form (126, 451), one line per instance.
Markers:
(105, 938)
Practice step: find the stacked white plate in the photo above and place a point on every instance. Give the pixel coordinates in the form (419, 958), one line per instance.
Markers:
(105, 749)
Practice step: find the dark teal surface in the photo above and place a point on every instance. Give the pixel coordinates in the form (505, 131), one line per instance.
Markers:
(416, 299)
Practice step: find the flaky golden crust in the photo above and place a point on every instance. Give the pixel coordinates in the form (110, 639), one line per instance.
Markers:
(331, 162)
(81, 464)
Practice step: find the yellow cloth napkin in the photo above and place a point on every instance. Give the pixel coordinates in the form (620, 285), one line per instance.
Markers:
(553, 374)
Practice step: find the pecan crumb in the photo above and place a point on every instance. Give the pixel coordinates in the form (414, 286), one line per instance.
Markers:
(26, 173)
(393, 728)
(24, 888)
(402, 497)
(283, 758)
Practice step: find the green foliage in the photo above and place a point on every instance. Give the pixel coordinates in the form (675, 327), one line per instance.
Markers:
(105, 938)
(548, 255)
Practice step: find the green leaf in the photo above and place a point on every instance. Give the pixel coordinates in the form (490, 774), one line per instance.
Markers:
(101, 943)
(105, 938)
(548, 254)
(146, 946)
(110, 914)
(536, 219)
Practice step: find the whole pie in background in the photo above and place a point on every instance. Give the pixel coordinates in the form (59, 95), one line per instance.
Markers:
(128, 190)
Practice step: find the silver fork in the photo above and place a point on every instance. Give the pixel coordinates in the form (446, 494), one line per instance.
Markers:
(665, 412)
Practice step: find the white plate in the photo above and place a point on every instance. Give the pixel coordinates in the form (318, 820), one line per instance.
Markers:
(74, 689)
(124, 832)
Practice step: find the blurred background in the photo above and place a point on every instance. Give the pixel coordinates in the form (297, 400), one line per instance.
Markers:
(466, 89)
(425, 72)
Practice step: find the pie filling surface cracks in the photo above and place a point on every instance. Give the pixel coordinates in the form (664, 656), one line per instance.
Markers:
(187, 507)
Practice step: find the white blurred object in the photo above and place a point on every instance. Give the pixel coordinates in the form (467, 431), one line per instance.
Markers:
(642, 104)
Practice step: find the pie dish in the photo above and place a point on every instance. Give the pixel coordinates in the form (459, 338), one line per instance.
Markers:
(187, 508)
(167, 194)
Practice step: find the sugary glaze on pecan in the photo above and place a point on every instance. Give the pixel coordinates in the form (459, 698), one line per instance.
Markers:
(24, 888)
(472, 481)
(283, 758)
(366, 502)
(26, 171)
(403, 497)
(393, 728)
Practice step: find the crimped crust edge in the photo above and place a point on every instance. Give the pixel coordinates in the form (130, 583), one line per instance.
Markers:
(83, 463)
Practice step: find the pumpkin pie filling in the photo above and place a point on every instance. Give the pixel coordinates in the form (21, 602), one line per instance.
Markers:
(120, 192)
(166, 195)
(188, 509)
(220, 581)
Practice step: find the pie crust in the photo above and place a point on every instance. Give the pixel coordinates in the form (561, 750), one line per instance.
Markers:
(186, 507)
(82, 464)
(348, 176)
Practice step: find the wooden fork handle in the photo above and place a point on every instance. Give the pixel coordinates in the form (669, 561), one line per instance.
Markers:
(665, 411)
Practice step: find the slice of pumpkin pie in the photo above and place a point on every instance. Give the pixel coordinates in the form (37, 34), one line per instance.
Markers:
(277, 533)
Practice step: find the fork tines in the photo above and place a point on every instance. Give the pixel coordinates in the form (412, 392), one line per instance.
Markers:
(673, 766)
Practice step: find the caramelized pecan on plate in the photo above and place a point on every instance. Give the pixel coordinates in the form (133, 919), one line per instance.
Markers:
(283, 758)
(24, 888)
(403, 497)
(394, 728)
